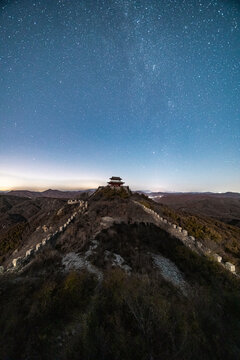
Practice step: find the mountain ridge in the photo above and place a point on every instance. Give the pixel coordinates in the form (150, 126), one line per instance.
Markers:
(74, 193)
(49, 193)
(111, 273)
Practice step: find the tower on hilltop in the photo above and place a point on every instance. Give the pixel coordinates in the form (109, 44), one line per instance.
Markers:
(113, 189)
(115, 181)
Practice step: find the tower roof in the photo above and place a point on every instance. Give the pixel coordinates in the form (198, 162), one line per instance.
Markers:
(115, 178)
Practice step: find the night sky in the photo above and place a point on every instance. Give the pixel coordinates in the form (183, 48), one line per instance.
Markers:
(145, 90)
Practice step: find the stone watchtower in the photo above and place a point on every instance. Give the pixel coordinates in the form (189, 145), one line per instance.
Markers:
(115, 181)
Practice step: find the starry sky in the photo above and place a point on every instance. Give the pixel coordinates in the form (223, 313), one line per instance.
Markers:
(145, 90)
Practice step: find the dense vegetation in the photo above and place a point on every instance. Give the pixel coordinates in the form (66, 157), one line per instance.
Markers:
(211, 231)
(12, 239)
(141, 316)
(137, 317)
(109, 193)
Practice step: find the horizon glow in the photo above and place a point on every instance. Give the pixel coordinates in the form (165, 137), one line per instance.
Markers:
(148, 91)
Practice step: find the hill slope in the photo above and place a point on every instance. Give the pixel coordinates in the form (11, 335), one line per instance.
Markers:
(57, 194)
(116, 282)
(223, 207)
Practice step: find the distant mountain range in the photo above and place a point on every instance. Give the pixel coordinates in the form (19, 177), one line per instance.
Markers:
(57, 194)
(160, 194)
(221, 206)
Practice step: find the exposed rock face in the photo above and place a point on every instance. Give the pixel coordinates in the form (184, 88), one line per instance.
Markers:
(117, 260)
(73, 261)
(78, 262)
(107, 221)
(170, 272)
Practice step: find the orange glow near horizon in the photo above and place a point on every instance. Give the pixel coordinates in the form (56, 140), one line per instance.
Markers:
(14, 182)
(43, 175)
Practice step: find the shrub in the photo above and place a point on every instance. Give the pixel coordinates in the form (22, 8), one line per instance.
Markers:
(12, 239)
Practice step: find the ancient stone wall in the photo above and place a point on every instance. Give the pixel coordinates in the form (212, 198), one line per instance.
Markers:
(30, 253)
(190, 241)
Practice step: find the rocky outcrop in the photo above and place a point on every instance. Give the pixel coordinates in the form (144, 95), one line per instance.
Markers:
(117, 261)
(171, 273)
(73, 261)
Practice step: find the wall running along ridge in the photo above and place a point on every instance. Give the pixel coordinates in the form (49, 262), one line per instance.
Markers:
(173, 229)
(189, 241)
(19, 261)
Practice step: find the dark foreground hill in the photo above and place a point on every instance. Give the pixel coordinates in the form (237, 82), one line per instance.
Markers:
(112, 280)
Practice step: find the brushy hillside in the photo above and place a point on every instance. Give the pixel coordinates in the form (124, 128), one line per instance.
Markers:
(72, 316)
(112, 300)
(223, 207)
(217, 235)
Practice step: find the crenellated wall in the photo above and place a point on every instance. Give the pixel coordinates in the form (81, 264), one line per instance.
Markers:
(19, 261)
(189, 241)
(173, 229)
